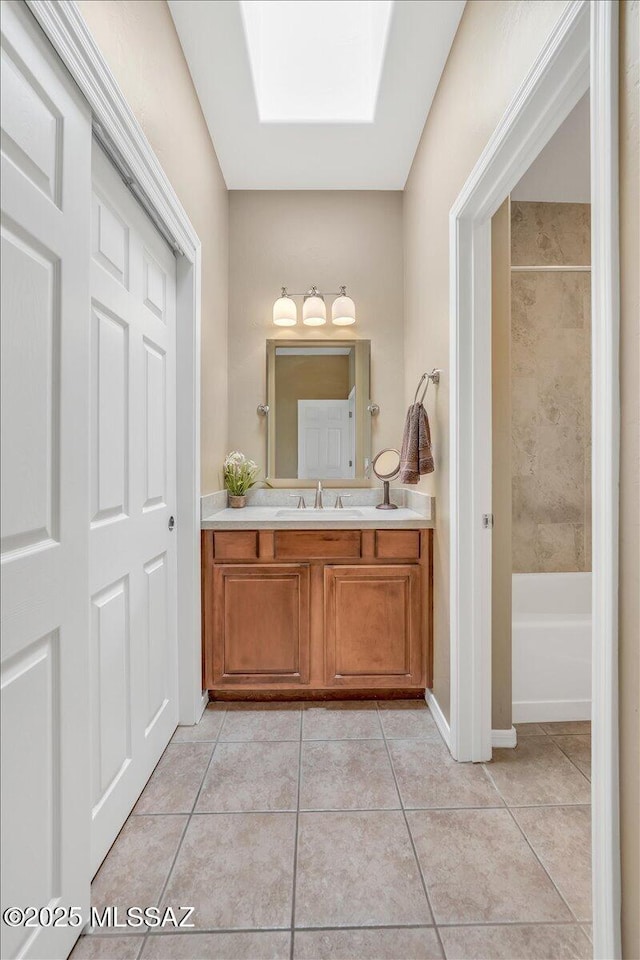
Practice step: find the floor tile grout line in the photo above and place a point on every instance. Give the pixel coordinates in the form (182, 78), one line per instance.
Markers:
(569, 757)
(189, 816)
(461, 809)
(133, 814)
(413, 846)
(206, 772)
(509, 923)
(295, 847)
(567, 803)
(492, 782)
(375, 809)
(428, 738)
(559, 733)
(555, 733)
(530, 845)
(556, 803)
(155, 933)
(540, 861)
(142, 946)
(367, 926)
(173, 861)
(455, 923)
(438, 738)
(182, 743)
(417, 808)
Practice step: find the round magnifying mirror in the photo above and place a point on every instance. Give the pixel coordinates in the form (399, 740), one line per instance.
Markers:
(386, 466)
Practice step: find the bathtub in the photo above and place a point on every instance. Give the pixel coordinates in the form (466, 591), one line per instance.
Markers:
(551, 650)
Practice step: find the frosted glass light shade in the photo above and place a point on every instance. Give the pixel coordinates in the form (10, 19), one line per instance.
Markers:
(343, 311)
(314, 311)
(285, 312)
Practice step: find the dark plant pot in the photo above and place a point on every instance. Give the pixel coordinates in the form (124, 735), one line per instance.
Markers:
(236, 501)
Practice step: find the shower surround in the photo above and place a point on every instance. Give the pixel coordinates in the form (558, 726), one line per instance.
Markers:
(551, 388)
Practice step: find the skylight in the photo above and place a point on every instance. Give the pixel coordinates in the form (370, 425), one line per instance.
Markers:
(316, 61)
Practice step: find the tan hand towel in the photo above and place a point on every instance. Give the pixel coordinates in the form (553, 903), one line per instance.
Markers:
(416, 458)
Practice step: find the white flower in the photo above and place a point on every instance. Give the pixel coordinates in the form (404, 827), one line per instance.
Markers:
(239, 473)
(234, 459)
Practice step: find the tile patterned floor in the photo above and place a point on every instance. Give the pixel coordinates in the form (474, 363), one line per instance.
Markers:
(345, 831)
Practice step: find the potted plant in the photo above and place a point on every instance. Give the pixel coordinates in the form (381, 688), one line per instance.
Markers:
(240, 474)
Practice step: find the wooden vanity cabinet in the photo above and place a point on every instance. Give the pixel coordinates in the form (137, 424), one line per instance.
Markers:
(372, 626)
(260, 623)
(291, 613)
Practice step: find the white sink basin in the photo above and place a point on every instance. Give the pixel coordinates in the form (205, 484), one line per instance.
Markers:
(310, 513)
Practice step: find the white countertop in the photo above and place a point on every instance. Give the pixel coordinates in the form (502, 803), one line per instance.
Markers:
(287, 518)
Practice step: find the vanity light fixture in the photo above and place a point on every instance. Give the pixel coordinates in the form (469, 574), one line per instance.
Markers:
(314, 309)
(343, 311)
(285, 312)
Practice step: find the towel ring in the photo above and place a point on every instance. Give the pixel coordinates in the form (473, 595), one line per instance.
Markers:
(434, 375)
(425, 376)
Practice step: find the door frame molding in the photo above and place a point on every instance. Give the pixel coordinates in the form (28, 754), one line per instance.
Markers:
(116, 125)
(581, 53)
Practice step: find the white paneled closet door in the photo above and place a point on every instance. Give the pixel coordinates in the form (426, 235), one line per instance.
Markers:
(325, 439)
(45, 200)
(133, 581)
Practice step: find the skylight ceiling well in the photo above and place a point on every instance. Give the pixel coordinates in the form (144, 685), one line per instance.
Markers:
(316, 61)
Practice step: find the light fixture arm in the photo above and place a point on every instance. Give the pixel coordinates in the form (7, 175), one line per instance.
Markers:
(314, 292)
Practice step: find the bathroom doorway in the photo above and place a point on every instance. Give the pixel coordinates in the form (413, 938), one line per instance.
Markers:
(541, 476)
(541, 505)
(580, 55)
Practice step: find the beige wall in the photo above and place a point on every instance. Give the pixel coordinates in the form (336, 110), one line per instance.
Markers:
(139, 42)
(629, 474)
(496, 43)
(327, 238)
(551, 388)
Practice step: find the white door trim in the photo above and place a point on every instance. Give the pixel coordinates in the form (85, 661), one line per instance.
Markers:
(605, 466)
(560, 76)
(67, 31)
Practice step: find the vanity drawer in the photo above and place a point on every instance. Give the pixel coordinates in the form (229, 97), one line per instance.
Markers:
(318, 544)
(398, 544)
(236, 545)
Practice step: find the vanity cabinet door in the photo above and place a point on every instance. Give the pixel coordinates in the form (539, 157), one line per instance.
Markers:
(260, 624)
(372, 626)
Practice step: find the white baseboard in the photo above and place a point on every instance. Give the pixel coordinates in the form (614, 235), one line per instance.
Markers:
(546, 711)
(203, 703)
(504, 738)
(439, 717)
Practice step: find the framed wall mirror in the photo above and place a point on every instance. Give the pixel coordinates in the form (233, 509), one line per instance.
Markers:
(319, 424)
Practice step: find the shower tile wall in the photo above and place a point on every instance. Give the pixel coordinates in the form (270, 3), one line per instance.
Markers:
(551, 396)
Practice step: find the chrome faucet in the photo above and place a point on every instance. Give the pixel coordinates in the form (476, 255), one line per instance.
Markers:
(318, 505)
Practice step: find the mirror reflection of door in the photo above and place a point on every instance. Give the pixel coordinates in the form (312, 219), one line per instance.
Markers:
(319, 425)
(325, 440)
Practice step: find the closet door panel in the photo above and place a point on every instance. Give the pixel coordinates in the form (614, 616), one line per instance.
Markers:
(133, 572)
(46, 190)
